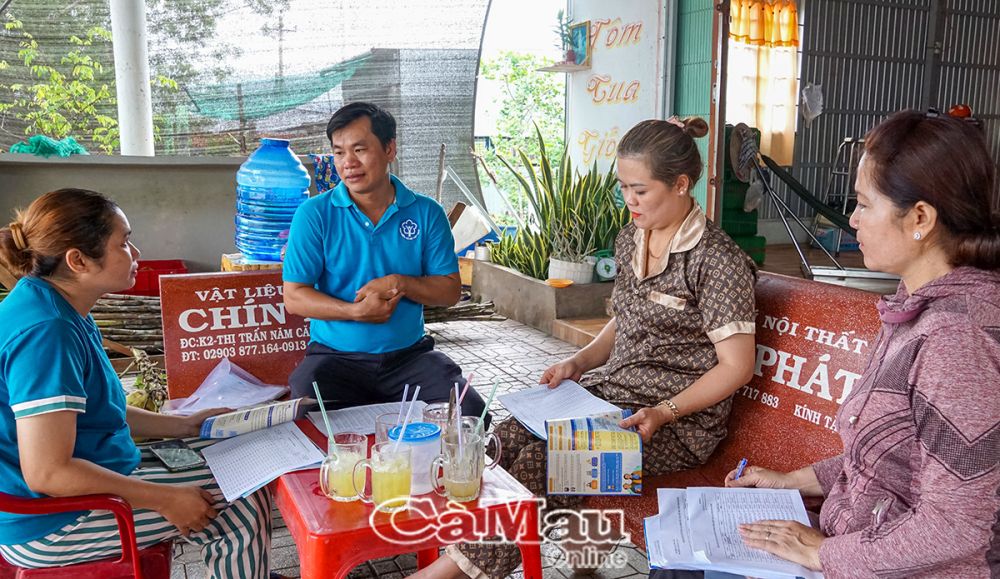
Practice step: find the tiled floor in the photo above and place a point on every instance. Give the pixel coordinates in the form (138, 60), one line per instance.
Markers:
(515, 355)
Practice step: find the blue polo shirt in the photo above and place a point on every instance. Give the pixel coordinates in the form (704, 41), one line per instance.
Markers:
(335, 248)
(51, 360)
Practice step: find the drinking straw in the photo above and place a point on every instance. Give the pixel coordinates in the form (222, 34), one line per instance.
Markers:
(468, 382)
(406, 420)
(493, 391)
(322, 410)
(406, 390)
(452, 399)
(458, 423)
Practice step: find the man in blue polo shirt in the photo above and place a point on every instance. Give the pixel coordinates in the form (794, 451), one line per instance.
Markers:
(363, 259)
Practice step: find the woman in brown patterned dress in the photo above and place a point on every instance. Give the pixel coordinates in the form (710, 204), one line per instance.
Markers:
(681, 340)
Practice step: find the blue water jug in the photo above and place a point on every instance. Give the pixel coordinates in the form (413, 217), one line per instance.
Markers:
(270, 186)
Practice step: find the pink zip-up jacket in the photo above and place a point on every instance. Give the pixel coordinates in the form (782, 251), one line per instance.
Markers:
(916, 492)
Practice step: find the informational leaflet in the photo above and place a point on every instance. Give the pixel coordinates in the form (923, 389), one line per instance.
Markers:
(593, 456)
(532, 407)
(697, 528)
(251, 419)
(245, 463)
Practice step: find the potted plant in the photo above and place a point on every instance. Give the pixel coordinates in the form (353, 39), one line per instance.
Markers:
(526, 251)
(565, 38)
(574, 216)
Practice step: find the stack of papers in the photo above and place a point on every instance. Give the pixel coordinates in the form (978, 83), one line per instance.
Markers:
(532, 407)
(361, 419)
(245, 463)
(696, 529)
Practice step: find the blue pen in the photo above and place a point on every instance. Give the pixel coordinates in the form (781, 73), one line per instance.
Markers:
(739, 468)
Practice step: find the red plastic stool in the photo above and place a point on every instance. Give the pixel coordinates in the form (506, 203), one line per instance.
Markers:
(150, 563)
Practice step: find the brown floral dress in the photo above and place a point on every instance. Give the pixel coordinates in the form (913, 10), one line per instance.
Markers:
(669, 314)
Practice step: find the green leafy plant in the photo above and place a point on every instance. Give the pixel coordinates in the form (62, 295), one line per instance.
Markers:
(68, 95)
(525, 96)
(526, 251)
(574, 215)
(562, 31)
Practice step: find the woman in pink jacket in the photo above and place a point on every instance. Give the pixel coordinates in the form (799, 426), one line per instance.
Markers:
(915, 493)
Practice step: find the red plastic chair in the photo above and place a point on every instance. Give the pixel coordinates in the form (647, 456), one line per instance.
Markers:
(151, 563)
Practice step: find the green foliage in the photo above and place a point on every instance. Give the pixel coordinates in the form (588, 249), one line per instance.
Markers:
(67, 95)
(178, 55)
(529, 98)
(528, 252)
(562, 31)
(574, 215)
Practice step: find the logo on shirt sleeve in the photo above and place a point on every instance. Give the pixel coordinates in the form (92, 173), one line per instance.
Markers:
(409, 230)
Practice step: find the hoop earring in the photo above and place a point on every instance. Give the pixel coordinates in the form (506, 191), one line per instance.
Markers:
(916, 235)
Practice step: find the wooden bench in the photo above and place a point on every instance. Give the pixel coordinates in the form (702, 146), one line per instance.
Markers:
(813, 341)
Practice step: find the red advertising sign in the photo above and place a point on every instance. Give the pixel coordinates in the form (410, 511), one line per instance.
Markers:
(813, 342)
(235, 315)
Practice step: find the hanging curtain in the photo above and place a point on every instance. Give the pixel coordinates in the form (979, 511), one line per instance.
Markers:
(763, 72)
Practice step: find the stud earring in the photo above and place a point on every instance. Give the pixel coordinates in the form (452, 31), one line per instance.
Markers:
(916, 235)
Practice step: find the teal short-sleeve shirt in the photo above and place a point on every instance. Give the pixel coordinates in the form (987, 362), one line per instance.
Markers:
(51, 360)
(335, 248)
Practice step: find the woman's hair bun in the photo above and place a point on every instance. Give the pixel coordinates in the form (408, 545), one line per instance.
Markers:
(695, 127)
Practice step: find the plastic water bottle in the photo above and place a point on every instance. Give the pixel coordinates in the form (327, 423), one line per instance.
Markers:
(270, 186)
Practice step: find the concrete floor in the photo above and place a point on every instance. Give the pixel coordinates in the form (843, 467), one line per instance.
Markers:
(514, 354)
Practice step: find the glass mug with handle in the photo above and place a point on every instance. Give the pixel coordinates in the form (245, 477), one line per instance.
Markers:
(457, 472)
(337, 475)
(391, 474)
(384, 423)
(437, 413)
(472, 425)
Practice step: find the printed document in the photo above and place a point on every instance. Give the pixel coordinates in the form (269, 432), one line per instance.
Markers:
(532, 407)
(696, 528)
(254, 418)
(247, 462)
(362, 418)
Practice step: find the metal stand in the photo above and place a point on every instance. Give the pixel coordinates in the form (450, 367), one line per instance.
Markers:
(845, 166)
(838, 274)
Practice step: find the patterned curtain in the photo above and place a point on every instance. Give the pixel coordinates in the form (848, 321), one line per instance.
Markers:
(763, 72)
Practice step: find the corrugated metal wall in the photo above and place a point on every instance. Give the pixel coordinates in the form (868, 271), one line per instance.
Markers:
(970, 66)
(871, 58)
(693, 85)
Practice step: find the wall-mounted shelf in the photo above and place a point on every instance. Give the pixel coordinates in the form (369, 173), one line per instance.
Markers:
(564, 67)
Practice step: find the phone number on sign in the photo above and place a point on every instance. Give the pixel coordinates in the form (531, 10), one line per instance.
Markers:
(763, 397)
(254, 349)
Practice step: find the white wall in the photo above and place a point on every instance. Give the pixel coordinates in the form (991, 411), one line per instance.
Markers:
(625, 82)
(179, 207)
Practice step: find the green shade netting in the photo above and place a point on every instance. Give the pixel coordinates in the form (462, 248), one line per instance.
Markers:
(43, 146)
(261, 98)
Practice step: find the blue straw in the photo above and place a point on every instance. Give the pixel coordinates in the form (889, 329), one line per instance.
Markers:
(322, 409)
(496, 383)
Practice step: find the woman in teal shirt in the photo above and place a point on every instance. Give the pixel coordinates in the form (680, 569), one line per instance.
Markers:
(65, 429)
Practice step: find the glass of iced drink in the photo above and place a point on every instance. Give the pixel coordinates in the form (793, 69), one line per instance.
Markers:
(391, 473)
(457, 472)
(337, 475)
